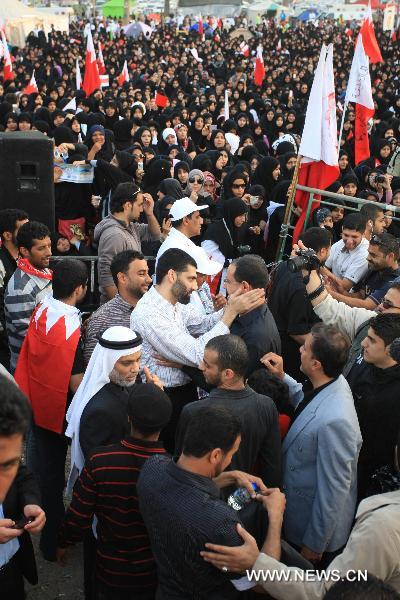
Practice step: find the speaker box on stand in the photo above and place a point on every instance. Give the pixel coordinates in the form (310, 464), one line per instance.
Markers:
(26, 174)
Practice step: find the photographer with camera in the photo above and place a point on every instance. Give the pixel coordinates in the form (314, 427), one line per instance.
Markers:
(380, 183)
(354, 322)
(289, 304)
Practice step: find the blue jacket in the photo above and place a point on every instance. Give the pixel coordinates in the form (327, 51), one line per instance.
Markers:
(320, 454)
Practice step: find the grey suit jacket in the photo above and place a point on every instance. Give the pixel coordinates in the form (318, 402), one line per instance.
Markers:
(320, 453)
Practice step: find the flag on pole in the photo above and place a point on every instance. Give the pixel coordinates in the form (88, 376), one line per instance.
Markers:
(8, 74)
(124, 77)
(359, 91)
(369, 39)
(100, 61)
(78, 75)
(244, 49)
(1, 49)
(71, 105)
(259, 70)
(319, 145)
(226, 106)
(200, 29)
(146, 30)
(279, 44)
(91, 80)
(32, 87)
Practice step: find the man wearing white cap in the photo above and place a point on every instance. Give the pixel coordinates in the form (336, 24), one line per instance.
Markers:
(98, 413)
(186, 223)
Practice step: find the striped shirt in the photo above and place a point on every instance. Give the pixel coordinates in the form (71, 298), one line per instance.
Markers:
(170, 330)
(23, 292)
(107, 488)
(114, 312)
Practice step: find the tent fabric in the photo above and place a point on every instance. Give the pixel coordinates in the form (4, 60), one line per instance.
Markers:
(20, 20)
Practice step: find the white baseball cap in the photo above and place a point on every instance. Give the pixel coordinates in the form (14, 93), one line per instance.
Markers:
(184, 207)
(205, 265)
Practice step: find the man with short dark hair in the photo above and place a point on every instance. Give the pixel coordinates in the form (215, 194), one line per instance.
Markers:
(224, 367)
(347, 261)
(182, 510)
(49, 370)
(130, 274)
(383, 257)
(11, 220)
(321, 448)
(107, 488)
(172, 328)
(19, 497)
(256, 327)
(375, 216)
(375, 383)
(30, 283)
(289, 304)
(121, 231)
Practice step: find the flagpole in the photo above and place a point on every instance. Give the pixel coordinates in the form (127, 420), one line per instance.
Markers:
(342, 123)
(291, 194)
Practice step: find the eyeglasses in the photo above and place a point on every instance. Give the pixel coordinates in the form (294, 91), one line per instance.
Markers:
(238, 185)
(387, 304)
(196, 180)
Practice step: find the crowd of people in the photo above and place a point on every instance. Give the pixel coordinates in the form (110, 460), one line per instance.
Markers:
(224, 413)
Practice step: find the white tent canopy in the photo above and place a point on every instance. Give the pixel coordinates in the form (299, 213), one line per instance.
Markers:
(20, 20)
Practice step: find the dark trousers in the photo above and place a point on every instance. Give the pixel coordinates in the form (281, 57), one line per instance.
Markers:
(51, 451)
(12, 581)
(179, 396)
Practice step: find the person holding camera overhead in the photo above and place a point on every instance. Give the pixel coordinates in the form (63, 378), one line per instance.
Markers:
(222, 239)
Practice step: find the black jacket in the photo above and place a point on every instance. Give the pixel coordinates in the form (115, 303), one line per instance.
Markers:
(260, 448)
(258, 330)
(376, 395)
(104, 420)
(24, 490)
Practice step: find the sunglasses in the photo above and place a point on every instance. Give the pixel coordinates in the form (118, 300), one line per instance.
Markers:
(376, 241)
(196, 180)
(387, 304)
(239, 185)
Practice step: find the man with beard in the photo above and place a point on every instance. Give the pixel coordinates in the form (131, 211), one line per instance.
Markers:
(168, 324)
(383, 257)
(130, 274)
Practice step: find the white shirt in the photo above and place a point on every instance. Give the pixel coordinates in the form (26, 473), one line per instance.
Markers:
(176, 239)
(168, 329)
(348, 264)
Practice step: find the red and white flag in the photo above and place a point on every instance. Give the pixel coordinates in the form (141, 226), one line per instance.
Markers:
(91, 80)
(32, 87)
(279, 44)
(259, 69)
(78, 75)
(101, 65)
(319, 144)
(244, 49)
(124, 77)
(200, 29)
(369, 39)
(161, 100)
(359, 91)
(8, 74)
(45, 362)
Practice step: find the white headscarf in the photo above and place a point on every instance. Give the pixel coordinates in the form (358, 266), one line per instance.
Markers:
(115, 342)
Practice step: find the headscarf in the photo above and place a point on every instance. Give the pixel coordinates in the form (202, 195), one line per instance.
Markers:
(122, 134)
(224, 232)
(115, 342)
(158, 170)
(263, 174)
(195, 173)
(171, 188)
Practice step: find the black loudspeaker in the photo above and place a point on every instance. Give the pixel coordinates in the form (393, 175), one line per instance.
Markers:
(26, 174)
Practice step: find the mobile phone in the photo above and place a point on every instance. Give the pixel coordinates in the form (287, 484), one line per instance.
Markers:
(22, 522)
(140, 166)
(254, 200)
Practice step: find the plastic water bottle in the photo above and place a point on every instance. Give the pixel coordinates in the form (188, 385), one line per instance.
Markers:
(241, 497)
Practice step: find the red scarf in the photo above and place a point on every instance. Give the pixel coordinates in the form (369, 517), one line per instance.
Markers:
(26, 267)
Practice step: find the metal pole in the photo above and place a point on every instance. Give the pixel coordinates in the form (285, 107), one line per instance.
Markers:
(309, 205)
(286, 219)
(342, 123)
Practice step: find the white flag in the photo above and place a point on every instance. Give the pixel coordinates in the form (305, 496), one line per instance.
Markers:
(71, 105)
(195, 55)
(146, 30)
(226, 106)
(359, 84)
(319, 138)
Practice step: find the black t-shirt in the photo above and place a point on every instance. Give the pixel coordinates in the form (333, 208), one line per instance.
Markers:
(376, 283)
(293, 315)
